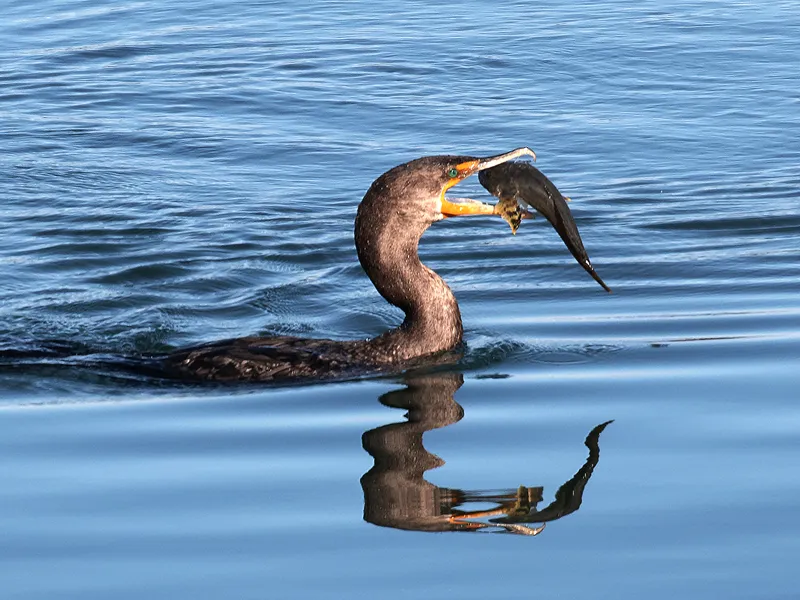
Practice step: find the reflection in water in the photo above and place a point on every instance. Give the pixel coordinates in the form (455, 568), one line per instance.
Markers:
(397, 495)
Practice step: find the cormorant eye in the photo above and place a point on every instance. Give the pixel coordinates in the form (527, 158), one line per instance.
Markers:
(452, 173)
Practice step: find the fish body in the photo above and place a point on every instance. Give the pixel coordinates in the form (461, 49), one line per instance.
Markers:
(520, 183)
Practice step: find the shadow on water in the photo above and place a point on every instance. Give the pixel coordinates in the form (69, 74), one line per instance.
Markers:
(397, 495)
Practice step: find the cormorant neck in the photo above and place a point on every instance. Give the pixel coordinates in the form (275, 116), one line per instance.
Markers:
(387, 246)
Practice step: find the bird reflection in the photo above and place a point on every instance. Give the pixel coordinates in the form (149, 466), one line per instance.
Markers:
(397, 495)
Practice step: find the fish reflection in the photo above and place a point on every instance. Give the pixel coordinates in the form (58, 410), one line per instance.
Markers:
(397, 495)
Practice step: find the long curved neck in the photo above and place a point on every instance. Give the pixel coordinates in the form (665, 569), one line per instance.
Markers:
(387, 249)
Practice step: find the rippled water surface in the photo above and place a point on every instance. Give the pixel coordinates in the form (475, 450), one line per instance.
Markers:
(173, 173)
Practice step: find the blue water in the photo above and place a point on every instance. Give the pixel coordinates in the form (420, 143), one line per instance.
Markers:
(173, 173)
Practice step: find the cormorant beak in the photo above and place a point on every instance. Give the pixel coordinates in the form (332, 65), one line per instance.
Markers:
(479, 164)
(470, 167)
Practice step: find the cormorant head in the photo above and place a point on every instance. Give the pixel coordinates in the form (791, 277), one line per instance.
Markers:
(415, 191)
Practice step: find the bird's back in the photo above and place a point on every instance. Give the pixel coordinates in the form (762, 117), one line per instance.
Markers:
(275, 358)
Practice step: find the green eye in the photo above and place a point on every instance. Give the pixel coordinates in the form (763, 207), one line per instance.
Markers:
(452, 173)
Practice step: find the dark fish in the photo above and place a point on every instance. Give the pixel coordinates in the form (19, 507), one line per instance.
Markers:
(527, 185)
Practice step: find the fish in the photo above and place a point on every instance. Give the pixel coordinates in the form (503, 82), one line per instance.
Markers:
(520, 184)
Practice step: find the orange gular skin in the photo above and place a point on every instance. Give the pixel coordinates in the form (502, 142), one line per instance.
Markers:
(456, 209)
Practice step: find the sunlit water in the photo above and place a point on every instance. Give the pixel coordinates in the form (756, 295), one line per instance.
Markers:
(173, 173)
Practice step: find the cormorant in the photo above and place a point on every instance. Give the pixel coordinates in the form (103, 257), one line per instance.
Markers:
(396, 210)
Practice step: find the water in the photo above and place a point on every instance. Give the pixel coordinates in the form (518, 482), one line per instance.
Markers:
(182, 172)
